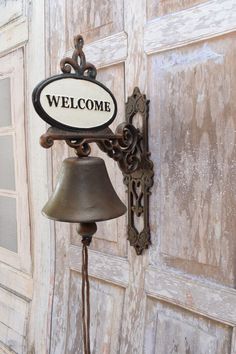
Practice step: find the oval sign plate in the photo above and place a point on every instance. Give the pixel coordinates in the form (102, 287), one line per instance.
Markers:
(73, 102)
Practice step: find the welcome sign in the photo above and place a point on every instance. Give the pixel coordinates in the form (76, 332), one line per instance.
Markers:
(73, 102)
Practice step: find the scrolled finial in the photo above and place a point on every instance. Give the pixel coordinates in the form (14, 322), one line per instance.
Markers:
(82, 68)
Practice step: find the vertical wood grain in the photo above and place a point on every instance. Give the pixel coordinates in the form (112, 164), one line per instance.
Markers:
(135, 75)
(196, 94)
(164, 7)
(38, 336)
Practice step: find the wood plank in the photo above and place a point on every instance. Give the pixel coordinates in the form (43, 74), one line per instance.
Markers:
(39, 325)
(102, 266)
(172, 329)
(198, 23)
(5, 350)
(133, 322)
(106, 308)
(10, 11)
(14, 35)
(107, 51)
(13, 340)
(16, 281)
(14, 311)
(233, 342)
(209, 299)
(164, 7)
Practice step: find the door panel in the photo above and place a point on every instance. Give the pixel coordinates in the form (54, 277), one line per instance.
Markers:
(10, 10)
(106, 305)
(195, 107)
(94, 19)
(108, 237)
(187, 333)
(164, 7)
(16, 286)
(178, 297)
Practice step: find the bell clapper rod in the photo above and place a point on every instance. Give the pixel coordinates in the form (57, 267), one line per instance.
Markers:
(86, 230)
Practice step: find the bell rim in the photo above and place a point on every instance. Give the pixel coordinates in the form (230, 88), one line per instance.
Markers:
(87, 221)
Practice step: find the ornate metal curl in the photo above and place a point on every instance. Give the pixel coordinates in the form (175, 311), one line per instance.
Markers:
(67, 63)
(140, 180)
(81, 146)
(130, 150)
(129, 147)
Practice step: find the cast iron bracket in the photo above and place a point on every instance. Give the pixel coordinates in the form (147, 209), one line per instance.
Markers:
(128, 146)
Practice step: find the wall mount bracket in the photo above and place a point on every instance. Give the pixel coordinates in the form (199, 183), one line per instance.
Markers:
(128, 146)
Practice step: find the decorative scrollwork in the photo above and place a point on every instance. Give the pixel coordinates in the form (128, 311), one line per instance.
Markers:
(140, 180)
(81, 69)
(81, 146)
(129, 147)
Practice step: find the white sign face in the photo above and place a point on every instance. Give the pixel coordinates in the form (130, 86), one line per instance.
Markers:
(74, 103)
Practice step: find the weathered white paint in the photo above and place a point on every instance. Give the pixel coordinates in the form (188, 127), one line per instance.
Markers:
(233, 341)
(106, 51)
(39, 324)
(98, 265)
(5, 350)
(210, 300)
(14, 35)
(198, 23)
(10, 10)
(154, 304)
(16, 281)
(14, 315)
(12, 67)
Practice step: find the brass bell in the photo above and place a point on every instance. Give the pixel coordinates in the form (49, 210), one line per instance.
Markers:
(83, 193)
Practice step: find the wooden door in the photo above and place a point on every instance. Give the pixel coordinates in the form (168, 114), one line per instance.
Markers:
(25, 244)
(179, 296)
(16, 286)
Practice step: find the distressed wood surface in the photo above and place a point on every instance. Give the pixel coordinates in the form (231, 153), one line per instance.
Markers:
(208, 299)
(5, 350)
(38, 335)
(233, 341)
(12, 66)
(16, 281)
(106, 51)
(14, 315)
(98, 265)
(175, 330)
(93, 19)
(10, 10)
(164, 7)
(197, 158)
(14, 342)
(62, 230)
(135, 75)
(172, 299)
(198, 23)
(106, 314)
(14, 35)
(14, 311)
